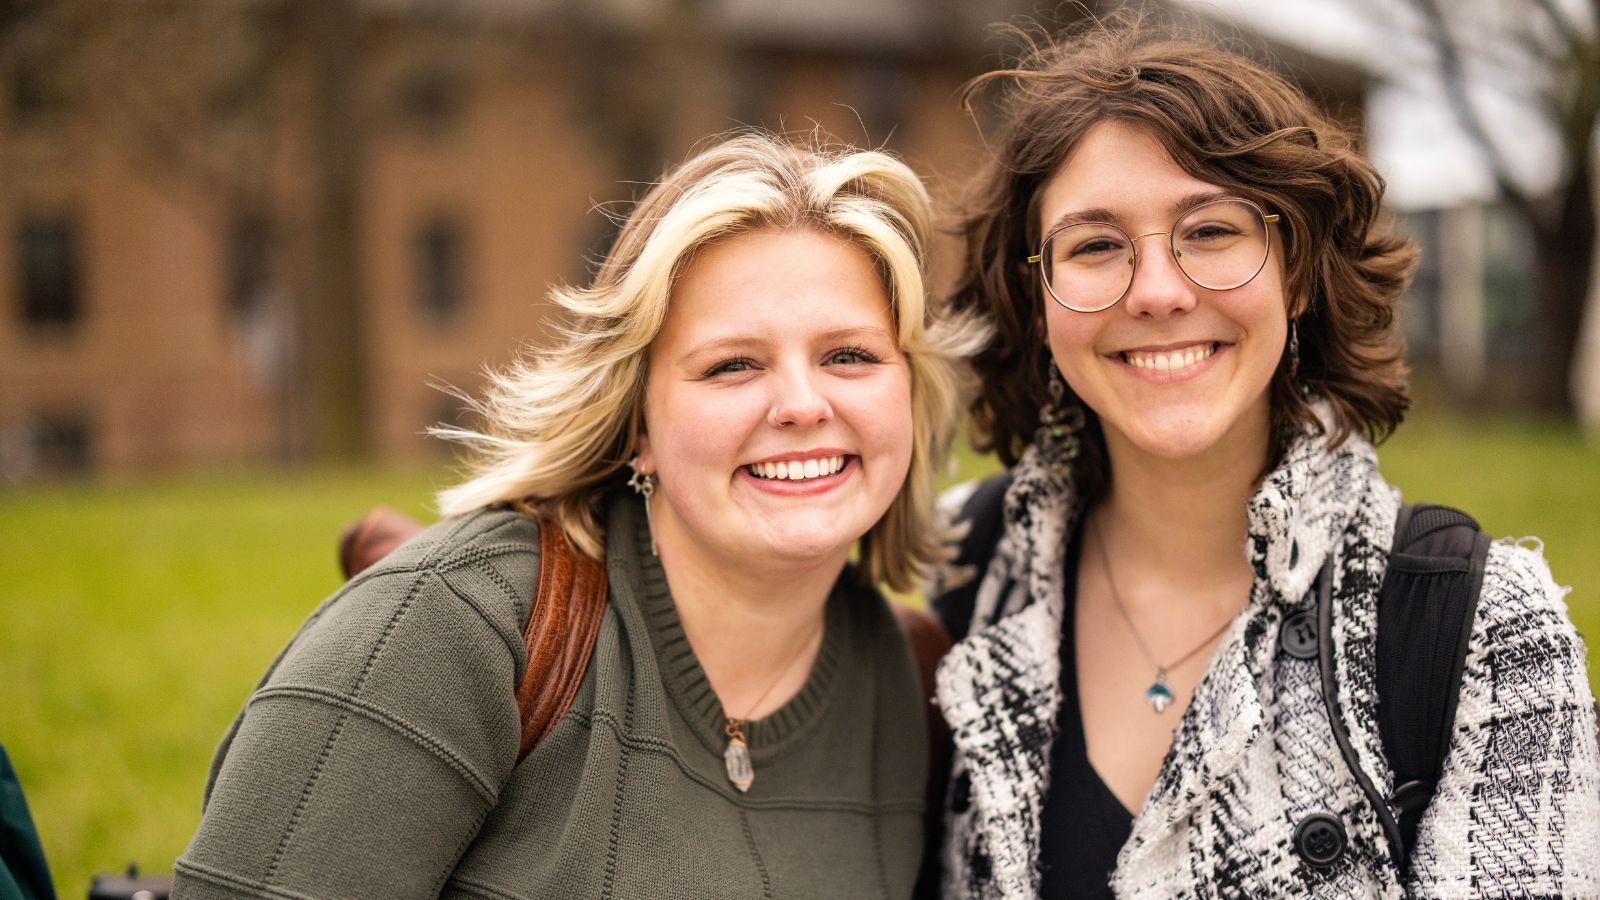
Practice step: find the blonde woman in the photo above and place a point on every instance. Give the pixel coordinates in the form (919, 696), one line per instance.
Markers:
(757, 359)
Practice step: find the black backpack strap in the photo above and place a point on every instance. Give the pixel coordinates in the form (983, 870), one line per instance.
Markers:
(983, 514)
(1425, 611)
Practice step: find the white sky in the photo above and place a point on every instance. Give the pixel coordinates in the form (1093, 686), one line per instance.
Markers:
(1412, 133)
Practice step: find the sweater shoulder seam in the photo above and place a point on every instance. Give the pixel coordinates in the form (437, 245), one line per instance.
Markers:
(480, 783)
(233, 882)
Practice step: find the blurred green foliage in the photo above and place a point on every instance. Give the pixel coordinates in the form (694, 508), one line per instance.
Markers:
(136, 617)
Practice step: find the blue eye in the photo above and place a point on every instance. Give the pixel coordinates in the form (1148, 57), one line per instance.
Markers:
(736, 364)
(852, 356)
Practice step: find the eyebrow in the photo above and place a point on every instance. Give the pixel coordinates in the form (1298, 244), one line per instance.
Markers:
(1101, 214)
(862, 332)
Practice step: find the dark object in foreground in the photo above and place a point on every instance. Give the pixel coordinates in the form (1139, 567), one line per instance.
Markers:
(130, 886)
(23, 872)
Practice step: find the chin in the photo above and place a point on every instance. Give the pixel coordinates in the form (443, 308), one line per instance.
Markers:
(803, 546)
(1177, 437)
(1193, 434)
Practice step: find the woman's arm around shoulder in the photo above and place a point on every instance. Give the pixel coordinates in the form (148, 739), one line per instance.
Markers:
(369, 756)
(1517, 812)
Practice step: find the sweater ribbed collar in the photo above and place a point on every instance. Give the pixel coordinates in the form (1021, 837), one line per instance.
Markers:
(685, 682)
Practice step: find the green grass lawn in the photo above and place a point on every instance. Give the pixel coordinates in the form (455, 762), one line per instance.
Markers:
(135, 618)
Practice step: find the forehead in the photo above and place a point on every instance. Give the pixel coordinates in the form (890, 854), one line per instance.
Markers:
(1119, 171)
(772, 283)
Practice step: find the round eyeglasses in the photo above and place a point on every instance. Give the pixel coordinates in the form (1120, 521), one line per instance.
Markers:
(1219, 245)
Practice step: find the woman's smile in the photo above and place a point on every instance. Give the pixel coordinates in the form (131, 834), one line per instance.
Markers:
(778, 408)
(1177, 362)
(1174, 370)
(810, 466)
(801, 475)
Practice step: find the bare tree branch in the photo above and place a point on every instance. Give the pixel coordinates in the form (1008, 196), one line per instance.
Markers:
(1564, 26)
(1454, 76)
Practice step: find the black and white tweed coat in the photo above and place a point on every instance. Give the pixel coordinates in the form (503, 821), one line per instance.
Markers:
(1517, 813)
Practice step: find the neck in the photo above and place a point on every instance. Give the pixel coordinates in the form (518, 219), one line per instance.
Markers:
(1180, 521)
(755, 629)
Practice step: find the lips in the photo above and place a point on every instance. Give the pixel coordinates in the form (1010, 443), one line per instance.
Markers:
(1166, 361)
(797, 469)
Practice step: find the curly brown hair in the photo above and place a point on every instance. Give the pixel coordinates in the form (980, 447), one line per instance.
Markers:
(1223, 119)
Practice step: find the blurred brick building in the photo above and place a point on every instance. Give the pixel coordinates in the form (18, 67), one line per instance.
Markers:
(186, 196)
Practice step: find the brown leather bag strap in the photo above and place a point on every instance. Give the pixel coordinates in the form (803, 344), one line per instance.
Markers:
(562, 628)
(562, 625)
(929, 642)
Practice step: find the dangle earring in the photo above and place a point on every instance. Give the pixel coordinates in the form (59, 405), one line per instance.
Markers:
(1291, 359)
(1293, 354)
(1060, 434)
(644, 484)
(1294, 350)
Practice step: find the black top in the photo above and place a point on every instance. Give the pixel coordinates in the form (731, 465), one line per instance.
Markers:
(1084, 823)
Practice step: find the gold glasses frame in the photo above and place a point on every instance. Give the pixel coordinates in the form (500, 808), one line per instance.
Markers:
(1172, 247)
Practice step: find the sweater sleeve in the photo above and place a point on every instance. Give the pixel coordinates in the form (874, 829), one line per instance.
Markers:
(371, 753)
(1517, 812)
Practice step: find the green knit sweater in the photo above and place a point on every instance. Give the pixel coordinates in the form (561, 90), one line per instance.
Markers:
(377, 757)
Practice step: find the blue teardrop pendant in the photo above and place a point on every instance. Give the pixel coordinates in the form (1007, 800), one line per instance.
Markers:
(1158, 695)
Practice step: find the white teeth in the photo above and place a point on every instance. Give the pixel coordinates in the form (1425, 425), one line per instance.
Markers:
(1170, 362)
(798, 470)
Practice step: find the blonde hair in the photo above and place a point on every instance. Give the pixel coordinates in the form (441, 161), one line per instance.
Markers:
(562, 422)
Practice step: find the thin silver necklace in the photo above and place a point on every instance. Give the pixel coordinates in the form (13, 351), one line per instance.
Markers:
(736, 756)
(1158, 694)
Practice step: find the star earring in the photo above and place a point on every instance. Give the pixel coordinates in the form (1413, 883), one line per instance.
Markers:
(644, 484)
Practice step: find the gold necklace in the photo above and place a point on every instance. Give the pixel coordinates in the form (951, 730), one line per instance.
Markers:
(736, 756)
(1158, 694)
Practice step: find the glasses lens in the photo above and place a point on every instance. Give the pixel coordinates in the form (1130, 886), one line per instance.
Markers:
(1088, 267)
(1222, 244)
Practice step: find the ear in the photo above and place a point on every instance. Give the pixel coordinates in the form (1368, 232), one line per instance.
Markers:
(643, 459)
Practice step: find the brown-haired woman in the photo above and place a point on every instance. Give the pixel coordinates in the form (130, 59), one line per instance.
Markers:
(1195, 348)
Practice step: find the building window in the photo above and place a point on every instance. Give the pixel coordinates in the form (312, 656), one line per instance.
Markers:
(62, 445)
(47, 252)
(33, 76)
(432, 98)
(36, 92)
(882, 90)
(440, 269)
(755, 90)
(249, 266)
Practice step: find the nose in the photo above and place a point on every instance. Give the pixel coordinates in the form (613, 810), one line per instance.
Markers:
(1159, 288)
(798, 400)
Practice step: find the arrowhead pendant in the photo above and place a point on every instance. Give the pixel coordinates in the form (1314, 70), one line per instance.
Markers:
(1158, 695)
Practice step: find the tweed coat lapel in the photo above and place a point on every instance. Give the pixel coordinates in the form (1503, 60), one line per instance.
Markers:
(1298, 517)
(1000, 686)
